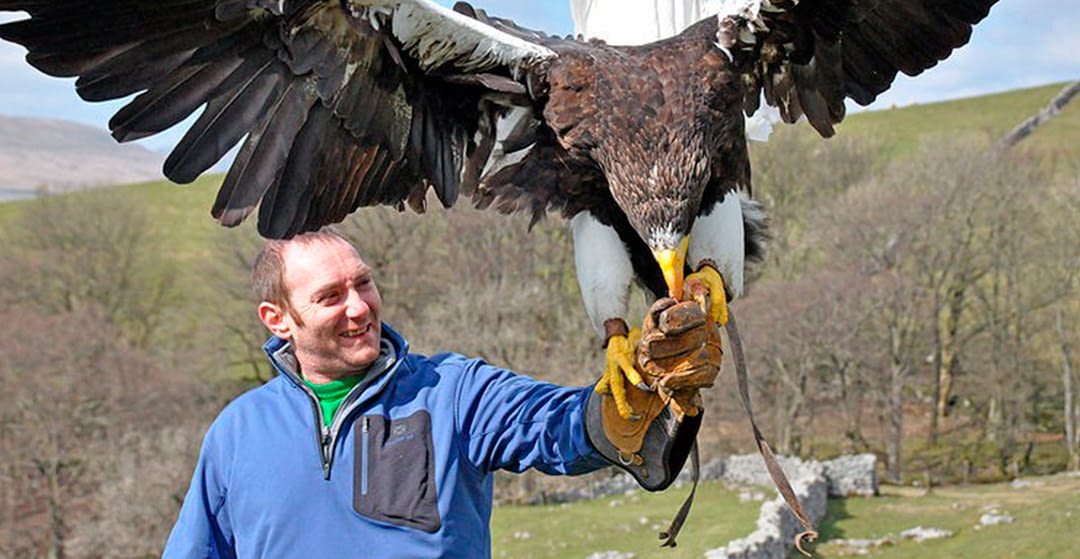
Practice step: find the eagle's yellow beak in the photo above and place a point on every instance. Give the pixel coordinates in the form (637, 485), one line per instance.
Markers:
(672, 263)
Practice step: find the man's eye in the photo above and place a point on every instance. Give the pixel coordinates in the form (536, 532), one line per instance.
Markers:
(327, 298)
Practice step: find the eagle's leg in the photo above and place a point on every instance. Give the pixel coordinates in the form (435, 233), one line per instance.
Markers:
(619, 367)
(708, 274)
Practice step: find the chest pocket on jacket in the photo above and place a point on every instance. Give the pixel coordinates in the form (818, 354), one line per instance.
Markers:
(394, 480)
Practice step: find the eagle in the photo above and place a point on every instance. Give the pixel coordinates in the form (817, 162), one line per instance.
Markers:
(341, 104)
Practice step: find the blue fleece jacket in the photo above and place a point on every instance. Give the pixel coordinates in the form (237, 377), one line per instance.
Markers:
(405, 470)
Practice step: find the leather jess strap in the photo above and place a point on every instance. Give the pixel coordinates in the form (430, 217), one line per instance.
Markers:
(775, 471)
(677, 522)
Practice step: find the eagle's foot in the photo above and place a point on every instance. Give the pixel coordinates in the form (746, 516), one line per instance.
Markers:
(620, 369)
(708, 275)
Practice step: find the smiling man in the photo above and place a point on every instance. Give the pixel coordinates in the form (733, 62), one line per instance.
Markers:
(359, 448)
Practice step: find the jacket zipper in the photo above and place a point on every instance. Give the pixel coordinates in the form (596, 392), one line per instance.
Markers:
(322, 435)
(364, 456)
(325, 437)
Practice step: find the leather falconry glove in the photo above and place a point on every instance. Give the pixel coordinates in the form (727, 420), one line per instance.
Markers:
(677, 354)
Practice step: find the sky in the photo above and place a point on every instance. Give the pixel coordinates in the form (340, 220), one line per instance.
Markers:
(1023, 43)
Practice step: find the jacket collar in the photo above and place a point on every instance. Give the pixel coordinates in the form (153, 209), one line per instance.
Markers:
(393, 349)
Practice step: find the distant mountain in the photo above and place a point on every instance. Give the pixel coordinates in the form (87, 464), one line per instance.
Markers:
(61, 155)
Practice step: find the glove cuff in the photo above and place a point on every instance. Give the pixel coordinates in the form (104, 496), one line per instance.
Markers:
(664, 449)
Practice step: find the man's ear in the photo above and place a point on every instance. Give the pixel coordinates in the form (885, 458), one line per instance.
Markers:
(273, 317)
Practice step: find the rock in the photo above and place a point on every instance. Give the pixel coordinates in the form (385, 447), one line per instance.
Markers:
(920, 534)
(611, 555)
(852, 475)
(858, 546)
(992, 519)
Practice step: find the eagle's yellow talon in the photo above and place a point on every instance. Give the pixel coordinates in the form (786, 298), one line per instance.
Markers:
(717, 294)
(620, 369)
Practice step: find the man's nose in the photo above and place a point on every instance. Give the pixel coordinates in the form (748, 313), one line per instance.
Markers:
(355, 305)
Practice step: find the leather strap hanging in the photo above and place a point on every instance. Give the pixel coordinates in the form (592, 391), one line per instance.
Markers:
(680, 517)
(775, 471)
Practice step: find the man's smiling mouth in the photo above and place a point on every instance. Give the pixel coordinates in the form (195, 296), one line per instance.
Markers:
(355, 332)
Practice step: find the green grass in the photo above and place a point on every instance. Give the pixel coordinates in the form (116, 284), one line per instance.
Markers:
(993, 115)
(616, 524)
(1047, 524)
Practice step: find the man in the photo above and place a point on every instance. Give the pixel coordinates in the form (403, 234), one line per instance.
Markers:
(359, 448)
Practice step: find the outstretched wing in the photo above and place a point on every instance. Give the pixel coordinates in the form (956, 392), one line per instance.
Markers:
(339, 104)
(808, 55)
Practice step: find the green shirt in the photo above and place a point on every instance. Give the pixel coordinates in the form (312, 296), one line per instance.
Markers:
(331, 394)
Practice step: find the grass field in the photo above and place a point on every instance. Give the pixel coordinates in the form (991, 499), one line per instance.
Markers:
(1047, 523)
(624, 523)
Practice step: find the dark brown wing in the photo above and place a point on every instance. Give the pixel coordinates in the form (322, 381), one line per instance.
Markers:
(808, 56)
(337, 109)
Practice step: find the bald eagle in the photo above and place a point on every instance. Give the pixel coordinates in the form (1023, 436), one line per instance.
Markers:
(349, 103)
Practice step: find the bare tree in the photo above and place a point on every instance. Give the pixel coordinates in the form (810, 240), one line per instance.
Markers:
(1068, 382)
(796, 172)
(88, 250)
(142, 489)
(805, 336)
(876, 229)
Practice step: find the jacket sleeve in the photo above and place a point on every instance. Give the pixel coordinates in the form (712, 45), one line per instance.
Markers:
(203, 529)
(512, 422)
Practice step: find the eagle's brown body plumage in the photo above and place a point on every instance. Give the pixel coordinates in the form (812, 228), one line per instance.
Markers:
(644, 146)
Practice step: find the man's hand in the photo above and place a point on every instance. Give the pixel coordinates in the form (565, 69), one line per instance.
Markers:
(679, 352)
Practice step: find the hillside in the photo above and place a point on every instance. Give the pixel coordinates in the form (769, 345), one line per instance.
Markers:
(36, 152)
(62, 155)
(995, 115)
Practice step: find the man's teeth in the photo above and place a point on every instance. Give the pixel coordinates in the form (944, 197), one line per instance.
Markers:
(351, 333)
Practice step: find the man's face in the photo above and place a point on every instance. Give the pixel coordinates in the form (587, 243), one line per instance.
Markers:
(334, 324)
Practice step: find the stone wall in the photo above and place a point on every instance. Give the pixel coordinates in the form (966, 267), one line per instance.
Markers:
(813, 482)
(776, 525)
(846, 476)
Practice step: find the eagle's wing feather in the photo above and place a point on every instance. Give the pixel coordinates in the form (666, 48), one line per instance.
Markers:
(338, 104)
(807, 56)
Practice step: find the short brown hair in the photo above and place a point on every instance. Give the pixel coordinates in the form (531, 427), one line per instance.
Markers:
(268, 271)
